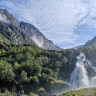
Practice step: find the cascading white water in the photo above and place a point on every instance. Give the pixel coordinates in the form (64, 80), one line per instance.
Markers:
(79, 77)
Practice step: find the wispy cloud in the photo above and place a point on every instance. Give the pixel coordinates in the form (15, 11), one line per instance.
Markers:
(62, 21)
(3, 18)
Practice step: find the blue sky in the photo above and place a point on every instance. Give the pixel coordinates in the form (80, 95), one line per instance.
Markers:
(67, 23)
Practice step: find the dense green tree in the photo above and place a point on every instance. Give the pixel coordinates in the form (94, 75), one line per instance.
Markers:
(23, 76)
(6, 71)
(30, 66)
(16, 66)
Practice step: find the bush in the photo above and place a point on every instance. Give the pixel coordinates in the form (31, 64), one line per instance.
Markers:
(34, 80)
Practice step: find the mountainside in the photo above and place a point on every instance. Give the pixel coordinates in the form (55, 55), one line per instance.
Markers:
(13, 35)
(90, 42)
(11, 31)
(8, 18)
(35, 35)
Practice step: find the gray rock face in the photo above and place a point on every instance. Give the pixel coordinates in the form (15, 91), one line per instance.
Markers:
(90, 42)
(37, 36)
(9, 18)
(14, 35)
(22, 33)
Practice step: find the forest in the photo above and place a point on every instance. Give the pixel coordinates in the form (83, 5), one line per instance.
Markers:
(26, 68)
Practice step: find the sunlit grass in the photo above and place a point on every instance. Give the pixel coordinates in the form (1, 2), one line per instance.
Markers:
(81, 92)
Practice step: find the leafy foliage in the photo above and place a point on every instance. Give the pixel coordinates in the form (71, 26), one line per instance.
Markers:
(6, 71)
(28, 67)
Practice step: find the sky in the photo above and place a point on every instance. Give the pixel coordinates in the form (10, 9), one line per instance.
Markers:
(67, 23)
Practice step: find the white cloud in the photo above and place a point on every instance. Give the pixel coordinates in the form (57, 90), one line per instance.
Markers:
(3, 18)
(38, 40)
(58, 20)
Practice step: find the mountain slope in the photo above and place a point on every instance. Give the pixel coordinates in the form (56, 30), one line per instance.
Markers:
(11, 31)
(8, 18)
(90, 42)
(13, 35)
(37, 36)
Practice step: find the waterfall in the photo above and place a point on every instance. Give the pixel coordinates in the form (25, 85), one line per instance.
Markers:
(84, 74)
(79, 77)
(70, 62)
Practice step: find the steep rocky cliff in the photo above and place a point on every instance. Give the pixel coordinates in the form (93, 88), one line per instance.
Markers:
(11, 31)
(35, 35)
